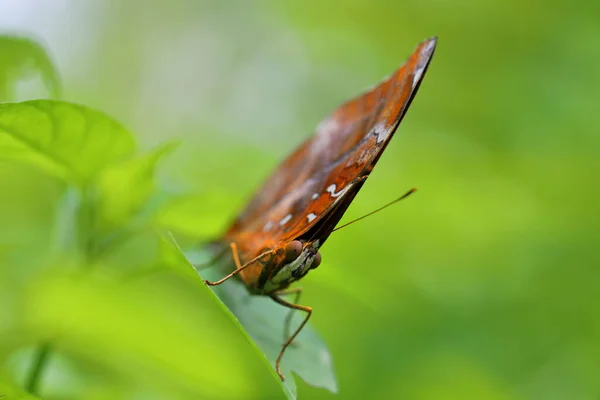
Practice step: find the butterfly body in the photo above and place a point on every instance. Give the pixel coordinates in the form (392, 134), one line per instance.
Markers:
(276, 239)
(288, 262)
(286, 270)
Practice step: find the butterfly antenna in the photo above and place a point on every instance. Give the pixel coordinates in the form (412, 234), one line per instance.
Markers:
(405, 195)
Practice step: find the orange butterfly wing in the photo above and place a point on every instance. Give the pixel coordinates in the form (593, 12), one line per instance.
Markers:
(327, 170)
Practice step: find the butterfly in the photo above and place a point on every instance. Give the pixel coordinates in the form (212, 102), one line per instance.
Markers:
(275, 240)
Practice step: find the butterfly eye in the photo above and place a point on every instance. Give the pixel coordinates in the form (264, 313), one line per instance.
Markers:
(293, 250)
(316, 261)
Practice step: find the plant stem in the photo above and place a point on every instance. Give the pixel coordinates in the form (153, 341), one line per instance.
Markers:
(37, 369)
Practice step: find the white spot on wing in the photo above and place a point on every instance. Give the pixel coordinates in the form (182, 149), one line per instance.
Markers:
(380, 131)
(268, 226)
(331, 189)
(315, 196)
(285, 220)
(311, 217)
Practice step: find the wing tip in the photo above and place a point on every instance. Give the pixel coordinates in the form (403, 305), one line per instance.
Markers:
(427, 47)
(422, 57)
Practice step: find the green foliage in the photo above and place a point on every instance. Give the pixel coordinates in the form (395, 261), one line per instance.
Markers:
(68, 140)
(108, 209)
(12, 391)
(263, 320)
(117, 202)
(21, 58)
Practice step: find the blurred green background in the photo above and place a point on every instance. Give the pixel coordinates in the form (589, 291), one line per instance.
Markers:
(483, 285)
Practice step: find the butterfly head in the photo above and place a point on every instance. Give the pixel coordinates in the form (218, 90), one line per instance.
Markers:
(290, 262)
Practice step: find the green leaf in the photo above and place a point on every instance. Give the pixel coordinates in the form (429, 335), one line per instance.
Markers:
(9, 391)
(263, 320)
(153, 335)
(125, 188)
(21, 58)
(67, 140)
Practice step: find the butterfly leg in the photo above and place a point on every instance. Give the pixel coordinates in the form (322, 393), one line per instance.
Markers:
(292, 306)
(239, 267)
(288, 318)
